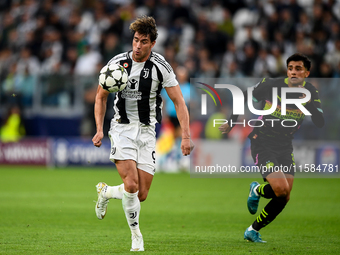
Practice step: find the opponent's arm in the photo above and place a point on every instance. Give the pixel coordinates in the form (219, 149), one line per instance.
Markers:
(226, 128)
(99, 113)
(176, 96)
(258, 92)
(314, 107)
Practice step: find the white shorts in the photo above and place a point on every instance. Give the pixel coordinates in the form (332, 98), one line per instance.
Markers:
(134, 141)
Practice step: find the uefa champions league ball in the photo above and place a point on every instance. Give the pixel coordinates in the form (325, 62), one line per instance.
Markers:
(113, 78)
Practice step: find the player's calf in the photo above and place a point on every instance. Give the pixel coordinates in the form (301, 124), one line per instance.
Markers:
(142, 195)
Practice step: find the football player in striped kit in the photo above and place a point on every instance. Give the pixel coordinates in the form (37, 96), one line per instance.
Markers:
(132, 133)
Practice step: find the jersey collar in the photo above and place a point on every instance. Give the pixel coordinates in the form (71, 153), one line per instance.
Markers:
(130, 55)
(286, 81)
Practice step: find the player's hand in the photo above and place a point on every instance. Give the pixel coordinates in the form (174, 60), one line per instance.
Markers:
(187, 146)
(97, 139)
(225, 128)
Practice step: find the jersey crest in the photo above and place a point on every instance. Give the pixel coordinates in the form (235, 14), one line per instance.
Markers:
(140, 101)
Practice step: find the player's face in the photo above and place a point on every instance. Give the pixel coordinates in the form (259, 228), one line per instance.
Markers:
(296, 73)
(141, 46)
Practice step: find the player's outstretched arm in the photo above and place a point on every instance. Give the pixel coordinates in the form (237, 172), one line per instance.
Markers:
(99, 113)
(226, 128)
(176, 96)
(259, 90)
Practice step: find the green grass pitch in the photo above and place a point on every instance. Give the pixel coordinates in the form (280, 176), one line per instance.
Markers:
(52, 212)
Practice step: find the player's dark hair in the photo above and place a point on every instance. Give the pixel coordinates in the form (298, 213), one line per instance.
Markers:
(145, 25)
(300, 57)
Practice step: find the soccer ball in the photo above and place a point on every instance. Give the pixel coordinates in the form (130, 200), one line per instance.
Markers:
(113, 78)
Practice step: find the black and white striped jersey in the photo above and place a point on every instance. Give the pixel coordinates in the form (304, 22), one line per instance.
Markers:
(141, 101)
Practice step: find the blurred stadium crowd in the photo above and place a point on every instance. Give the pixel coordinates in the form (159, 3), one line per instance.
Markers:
(210, 38)
(231, 38)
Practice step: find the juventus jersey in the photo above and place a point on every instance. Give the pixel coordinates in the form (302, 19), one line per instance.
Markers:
(141, 101)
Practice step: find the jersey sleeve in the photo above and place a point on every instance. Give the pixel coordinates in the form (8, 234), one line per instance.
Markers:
(314, 106)
(316, 100)
(168, 77)
(170, 80)
(117, 58)
(260, 90)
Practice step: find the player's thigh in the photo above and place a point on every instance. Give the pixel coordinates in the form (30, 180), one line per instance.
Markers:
(127, 170)
(122, 147)
(290, 180)
(147, 151)
(146, 161)
(286, 160)
(282, 180)
(264, 158)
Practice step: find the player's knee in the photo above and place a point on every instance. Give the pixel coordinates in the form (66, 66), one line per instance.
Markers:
(282, 191)
(131, 185)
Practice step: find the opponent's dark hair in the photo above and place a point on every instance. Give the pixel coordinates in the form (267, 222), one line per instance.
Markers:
(300, 57)
(145, 25)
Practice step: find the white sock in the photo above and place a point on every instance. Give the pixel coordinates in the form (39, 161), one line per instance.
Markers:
(251, 228)
(131, 206)
(114, 191)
